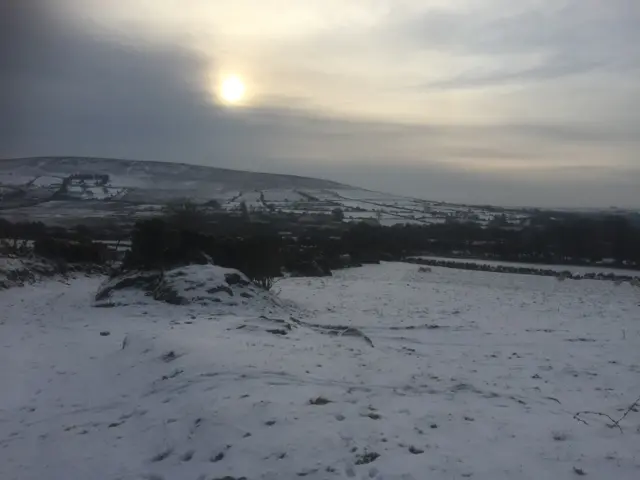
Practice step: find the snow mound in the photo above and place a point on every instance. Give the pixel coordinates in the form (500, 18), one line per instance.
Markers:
(208, 285)
(17, 271)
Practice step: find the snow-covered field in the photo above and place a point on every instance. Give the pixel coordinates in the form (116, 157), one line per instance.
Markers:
(471, 375)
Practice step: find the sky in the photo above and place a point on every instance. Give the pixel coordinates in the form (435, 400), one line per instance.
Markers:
(528, 102)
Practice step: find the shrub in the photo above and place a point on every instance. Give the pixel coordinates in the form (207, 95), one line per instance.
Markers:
(156, 244)
(184, 214)
(265, 283)
(71, 251)
(337, 214)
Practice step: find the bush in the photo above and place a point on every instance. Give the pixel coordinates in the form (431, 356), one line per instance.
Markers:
(71, 251)
(337, 214)
(265, 283)
(156, 244)
(184, 214)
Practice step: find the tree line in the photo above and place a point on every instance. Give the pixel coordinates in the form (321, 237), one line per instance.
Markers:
(259, 249)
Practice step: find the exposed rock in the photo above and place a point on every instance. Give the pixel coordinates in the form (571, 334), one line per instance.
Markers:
(236, 279)
(194, 284)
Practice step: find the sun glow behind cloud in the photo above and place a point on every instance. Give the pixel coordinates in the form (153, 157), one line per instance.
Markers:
(232, 90)
(326, 55)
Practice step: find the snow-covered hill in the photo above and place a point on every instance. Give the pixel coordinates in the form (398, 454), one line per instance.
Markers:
(469, 375)
(147, 174)
(49, 189)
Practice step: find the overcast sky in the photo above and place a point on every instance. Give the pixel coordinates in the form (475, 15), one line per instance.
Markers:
(528, 102)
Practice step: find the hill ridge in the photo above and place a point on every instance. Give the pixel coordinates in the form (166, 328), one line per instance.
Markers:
(58, 160)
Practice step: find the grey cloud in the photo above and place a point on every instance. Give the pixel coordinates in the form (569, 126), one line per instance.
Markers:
(554, 67)
(548, 26)
(570, 37)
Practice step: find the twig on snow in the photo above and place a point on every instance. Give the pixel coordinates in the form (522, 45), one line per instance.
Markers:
(614, 423)
(577, 417)
(586, 412)
(629, 410)
(335, 330)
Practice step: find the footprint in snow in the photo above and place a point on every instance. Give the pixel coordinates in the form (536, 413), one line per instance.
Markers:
(188, 455)
(216, 458)
(162, 455)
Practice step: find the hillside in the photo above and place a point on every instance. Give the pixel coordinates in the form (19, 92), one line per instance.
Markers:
(62, 190)
(148, 174)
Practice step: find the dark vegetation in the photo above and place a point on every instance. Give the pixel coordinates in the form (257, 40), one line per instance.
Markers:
(522, 270)
(77, 245)
(185, 234)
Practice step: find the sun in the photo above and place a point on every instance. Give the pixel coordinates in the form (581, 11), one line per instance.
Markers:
(232, 90)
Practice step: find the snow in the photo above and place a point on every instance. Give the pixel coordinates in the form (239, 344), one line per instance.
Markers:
(367, 195)
(95, 192)
(472, 375)
(17, 270)
(47, 181)
(251, 199)
(282, 195)
(13, 178)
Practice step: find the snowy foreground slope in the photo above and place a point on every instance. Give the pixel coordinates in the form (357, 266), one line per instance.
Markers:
(471, 375)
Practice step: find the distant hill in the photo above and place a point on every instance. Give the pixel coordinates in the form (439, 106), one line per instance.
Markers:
(67, 190)
(136, 173)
